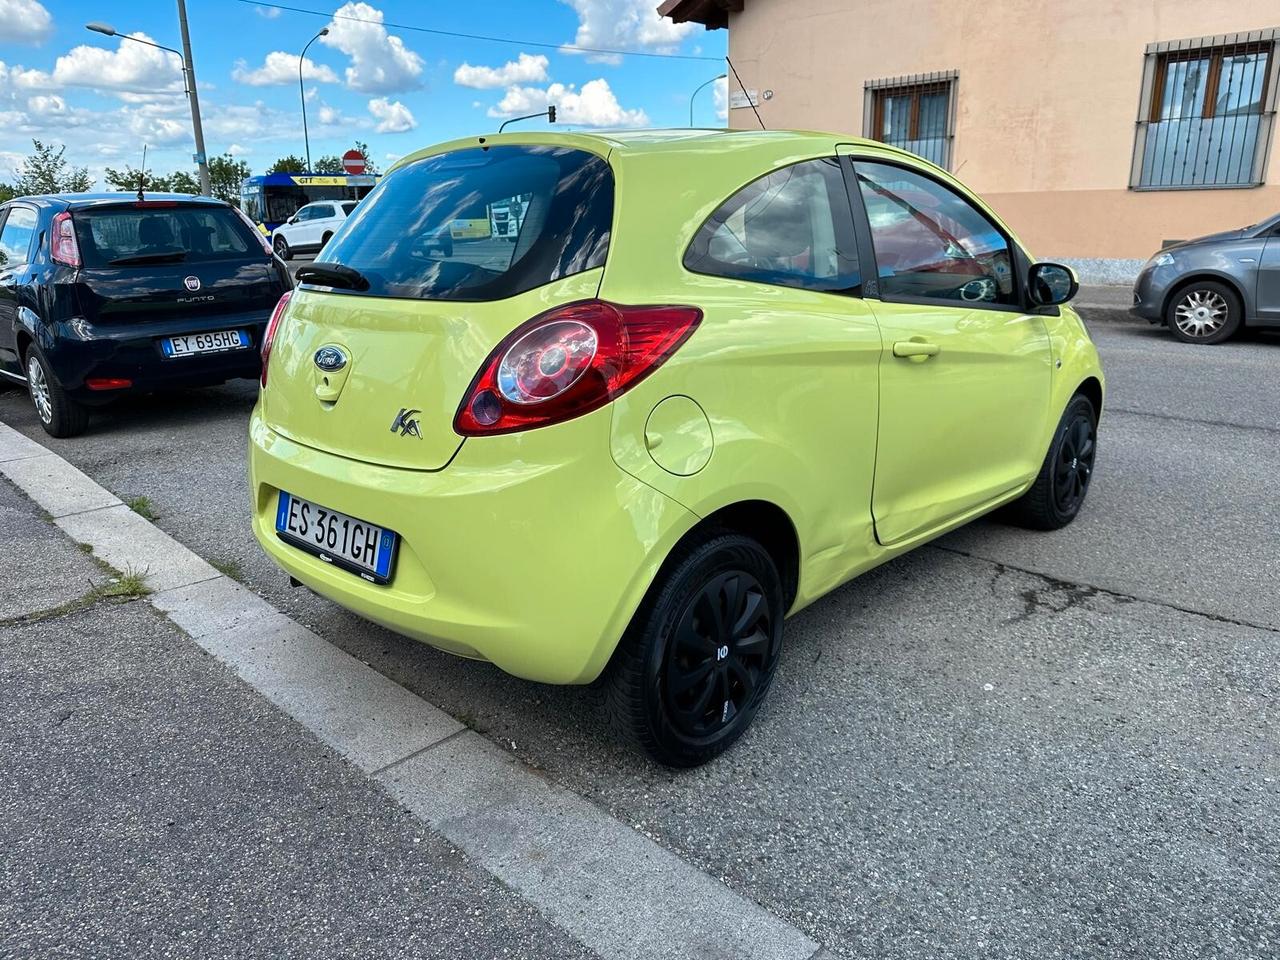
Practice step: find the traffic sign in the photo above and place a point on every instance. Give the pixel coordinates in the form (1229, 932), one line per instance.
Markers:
(353, 161)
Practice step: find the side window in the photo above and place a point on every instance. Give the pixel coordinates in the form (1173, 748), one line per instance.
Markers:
(348, 207)
(931, 242)
(791, 228)
(305, 214)
(322, 212)
(16, 236)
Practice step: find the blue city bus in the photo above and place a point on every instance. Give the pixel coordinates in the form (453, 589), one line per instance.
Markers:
(272, 199)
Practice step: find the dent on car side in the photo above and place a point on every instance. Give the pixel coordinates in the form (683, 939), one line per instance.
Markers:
(789, 382)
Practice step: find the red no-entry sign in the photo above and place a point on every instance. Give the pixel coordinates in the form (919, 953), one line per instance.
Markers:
(353, 161)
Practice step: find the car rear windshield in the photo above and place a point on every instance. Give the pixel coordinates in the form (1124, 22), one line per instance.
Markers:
(155, 233)
(427, 231)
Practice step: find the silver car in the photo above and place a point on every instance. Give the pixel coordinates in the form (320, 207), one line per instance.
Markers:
(1205, 290)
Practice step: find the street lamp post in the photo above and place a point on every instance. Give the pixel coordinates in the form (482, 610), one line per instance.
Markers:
(188, 82)
(302, 93)
(698, 91)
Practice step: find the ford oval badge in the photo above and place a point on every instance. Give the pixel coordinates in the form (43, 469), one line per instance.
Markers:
(330, 359)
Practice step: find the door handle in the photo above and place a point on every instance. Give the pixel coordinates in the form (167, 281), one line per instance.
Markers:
(916, 351)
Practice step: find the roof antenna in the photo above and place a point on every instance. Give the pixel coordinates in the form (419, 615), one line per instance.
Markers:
(142, 175)
(751, 103)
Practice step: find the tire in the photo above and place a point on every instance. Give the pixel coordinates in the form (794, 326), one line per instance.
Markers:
(680, 635)
(323, 240)
(58, 414)
(1060, 488)
(1204, 312)
(448, 246)
(281, 246)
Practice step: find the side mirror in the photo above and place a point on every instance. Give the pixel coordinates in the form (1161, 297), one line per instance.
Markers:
(1051, 284)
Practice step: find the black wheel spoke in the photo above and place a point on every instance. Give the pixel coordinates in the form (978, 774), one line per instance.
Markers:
(754, 645)
(751, 610)
(707, 609)
(681, 680)
(745, 679)
(689, 638)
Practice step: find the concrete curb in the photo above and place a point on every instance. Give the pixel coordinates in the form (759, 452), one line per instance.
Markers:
(618, 892)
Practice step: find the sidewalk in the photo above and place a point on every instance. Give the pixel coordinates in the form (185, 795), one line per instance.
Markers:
(1106, 304)
(154, 805)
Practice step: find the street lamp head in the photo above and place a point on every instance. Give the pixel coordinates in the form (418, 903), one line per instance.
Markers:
(99, 27)
(324, 32)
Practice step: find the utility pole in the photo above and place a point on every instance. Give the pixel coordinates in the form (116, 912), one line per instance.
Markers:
(202, 161)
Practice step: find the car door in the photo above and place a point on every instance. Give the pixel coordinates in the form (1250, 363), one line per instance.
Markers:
(298, 232)
(1268, 297)
(965, 374)
(323, 220)
(17, 236)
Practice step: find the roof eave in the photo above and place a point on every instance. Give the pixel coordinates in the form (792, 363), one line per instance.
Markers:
(712, 14)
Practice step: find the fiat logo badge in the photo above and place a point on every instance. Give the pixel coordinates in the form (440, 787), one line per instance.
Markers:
(330, 359)
(192, 283)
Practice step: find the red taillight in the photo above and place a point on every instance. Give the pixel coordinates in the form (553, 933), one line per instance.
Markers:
(269, 336)
(63, 246)
(108, 383)
(568, 362)
(262, 238)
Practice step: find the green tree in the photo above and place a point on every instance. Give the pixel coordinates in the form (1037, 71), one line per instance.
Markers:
(7, 193)
(369, 165)
(329, 164)
(289, 164)
(47, 171)
(130, 178)
(225, 176)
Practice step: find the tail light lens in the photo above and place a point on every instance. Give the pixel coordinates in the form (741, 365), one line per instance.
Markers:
(268, 337)
(568, 362)
(63, 246)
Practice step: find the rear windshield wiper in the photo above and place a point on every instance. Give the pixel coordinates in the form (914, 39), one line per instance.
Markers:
(170, 256)
(332, 275)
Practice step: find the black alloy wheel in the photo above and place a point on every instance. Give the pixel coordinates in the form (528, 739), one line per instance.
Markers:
(717, 655)
(697, 660)
(1074, 465)
(1059, 490)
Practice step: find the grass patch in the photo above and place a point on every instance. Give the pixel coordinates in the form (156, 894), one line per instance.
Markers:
(85, 547)
(142, 507)
(129, 585)
(228, 568)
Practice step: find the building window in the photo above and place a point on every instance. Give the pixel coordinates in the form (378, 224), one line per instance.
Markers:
(915, 113)
(1206, 112)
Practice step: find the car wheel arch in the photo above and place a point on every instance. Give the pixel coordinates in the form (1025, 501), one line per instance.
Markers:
(766, 523)
(1201, 277)
(1091, 389)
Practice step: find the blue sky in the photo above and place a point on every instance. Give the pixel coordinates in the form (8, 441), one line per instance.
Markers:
(395, 88)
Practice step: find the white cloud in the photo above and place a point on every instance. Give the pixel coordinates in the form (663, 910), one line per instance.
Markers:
(47, 105)
(24, 21)
(721, 91)
(526, 69)
(393, 117)
(132, 68)
(279, 68)
(380, 63)
(236, 150)
(17, 79)
(593, 106)
(269, 13)
(627, 25)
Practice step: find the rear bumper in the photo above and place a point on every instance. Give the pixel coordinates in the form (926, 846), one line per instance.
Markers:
(132, 352)
(531, 551)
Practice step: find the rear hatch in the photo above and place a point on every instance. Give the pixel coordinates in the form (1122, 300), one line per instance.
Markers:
(415, 333)
(164, 262)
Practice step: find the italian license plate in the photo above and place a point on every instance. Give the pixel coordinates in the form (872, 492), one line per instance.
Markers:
(192, 344)
(354, 545)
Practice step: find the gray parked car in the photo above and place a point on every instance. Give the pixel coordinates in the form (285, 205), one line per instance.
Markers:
(1205, 290)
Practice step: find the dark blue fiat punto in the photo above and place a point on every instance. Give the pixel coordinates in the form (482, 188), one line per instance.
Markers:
(103, 294)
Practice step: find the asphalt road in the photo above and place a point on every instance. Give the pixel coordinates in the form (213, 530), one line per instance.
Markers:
(1005, 744)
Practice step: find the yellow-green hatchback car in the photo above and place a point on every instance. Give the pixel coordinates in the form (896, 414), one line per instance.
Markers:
(716, 375)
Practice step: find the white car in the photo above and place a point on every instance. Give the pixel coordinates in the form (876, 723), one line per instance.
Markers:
(308, 230)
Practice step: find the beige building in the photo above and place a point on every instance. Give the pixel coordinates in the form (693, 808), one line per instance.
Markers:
(1098, 129)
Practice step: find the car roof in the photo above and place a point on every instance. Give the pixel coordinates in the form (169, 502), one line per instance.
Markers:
(79, 201)
(657, 141)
